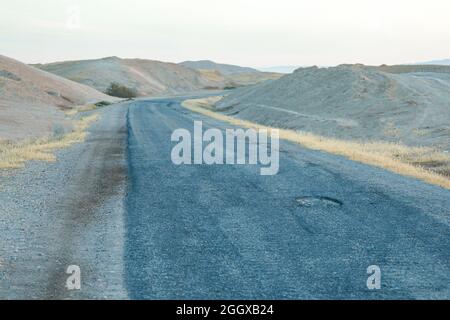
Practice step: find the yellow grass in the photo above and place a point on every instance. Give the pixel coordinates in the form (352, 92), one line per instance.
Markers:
(409, 161)
(83, 108)
(212, 75)
(14, 155)
(206, 103)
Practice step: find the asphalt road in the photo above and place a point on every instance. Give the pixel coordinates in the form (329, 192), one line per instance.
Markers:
(224, 231)
(141, 227)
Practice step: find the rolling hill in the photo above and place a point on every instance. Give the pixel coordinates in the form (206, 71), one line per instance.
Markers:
(148, 77)
(32, 101)
(279, 69)
(225, 69)
(414, 68)
(353, 102)
(230, 75)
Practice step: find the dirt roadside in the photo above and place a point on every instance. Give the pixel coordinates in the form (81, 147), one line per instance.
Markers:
(53, 215)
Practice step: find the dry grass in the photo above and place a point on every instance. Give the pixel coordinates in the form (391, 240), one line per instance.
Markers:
(87, 107)
(426, 164)
(245, 79)
(14, 155)
(205, 103)
(212, 75)
(78, 109)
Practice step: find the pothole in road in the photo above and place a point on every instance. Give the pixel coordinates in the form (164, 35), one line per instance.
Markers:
(319, 201)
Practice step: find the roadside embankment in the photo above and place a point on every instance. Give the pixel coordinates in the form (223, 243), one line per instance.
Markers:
(418, 162)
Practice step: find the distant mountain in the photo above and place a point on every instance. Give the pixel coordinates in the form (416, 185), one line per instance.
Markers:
(225, 69)
(280, 69)
(32, 101)
(147, 77)
(437, 62)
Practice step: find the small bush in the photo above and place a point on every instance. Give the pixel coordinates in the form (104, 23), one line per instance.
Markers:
(121, 91)
(58, 131)
(102, 104)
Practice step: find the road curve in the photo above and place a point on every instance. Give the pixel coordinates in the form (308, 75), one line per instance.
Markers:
(310, 232)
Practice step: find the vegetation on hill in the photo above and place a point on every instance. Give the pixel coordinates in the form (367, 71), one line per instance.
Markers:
(121, 91)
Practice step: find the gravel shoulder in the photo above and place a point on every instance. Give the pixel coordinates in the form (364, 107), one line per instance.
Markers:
(53, 215)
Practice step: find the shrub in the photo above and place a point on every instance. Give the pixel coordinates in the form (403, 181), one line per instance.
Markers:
(102, 104)
(121, 91)
(58, 131)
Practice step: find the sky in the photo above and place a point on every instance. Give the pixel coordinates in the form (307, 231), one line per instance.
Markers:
(256, 33)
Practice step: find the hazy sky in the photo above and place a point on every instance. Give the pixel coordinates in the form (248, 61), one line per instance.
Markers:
(247, 32)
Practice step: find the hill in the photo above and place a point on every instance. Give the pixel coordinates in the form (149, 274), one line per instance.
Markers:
(148, 77)
(32, 101)
(353, 102)
(231, 76)
(279, 69)
(414, 68)
(225, 69)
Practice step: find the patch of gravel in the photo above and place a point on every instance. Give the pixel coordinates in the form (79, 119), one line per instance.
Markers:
(39, 238)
